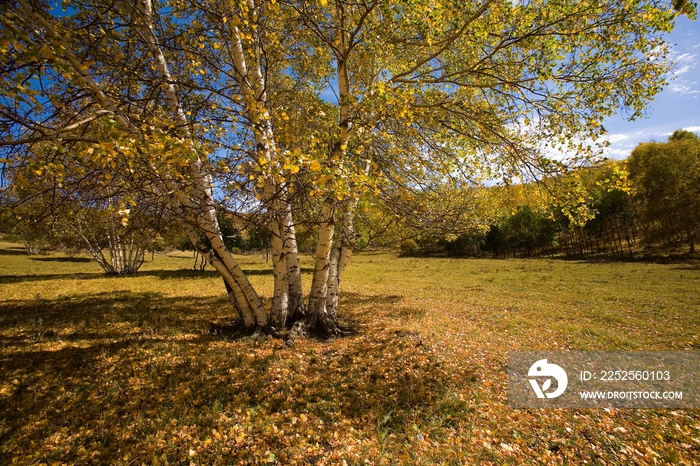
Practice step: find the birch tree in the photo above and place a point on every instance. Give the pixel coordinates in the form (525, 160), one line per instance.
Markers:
(238, 91)
(96, 213)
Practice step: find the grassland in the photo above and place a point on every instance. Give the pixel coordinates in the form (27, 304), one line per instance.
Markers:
(124, 370)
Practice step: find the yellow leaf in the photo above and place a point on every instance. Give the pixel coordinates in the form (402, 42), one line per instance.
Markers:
(324, 2)
(45, 50)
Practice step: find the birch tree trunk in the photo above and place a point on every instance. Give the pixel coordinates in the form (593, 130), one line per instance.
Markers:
(280, 298)
(243, 296)
(340, 257)
(316, 319)
(297, 310)
(288, 299)
(342, 252)
(123, 255)
(287, 295)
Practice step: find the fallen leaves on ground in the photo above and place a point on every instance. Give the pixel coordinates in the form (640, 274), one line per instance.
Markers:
(134, 377)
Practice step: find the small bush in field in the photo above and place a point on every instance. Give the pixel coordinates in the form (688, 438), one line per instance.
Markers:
(409, 246)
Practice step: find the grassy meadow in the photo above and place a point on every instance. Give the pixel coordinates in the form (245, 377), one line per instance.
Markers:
(125, 371)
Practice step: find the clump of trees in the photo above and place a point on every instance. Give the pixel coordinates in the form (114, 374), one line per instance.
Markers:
(661, 204)
(62, 200)
(652, 198)
(192, 99)
(666, 178)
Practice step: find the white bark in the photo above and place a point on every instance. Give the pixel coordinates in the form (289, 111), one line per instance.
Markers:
(319, 284)
(236, 295)
(123, 257)
(251, 80)
(296, 294)
(280, 298)
(325, 262)
(95, 252)
(206, 214)
(340, 257)
(286, 263)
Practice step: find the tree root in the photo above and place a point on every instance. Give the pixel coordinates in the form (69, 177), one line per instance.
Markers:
(233, 331)
(305, 327)
(324, 328)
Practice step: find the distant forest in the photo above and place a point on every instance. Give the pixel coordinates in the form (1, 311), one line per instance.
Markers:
(654, 205)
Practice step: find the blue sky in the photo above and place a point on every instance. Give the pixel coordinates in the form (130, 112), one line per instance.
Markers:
(677, 107)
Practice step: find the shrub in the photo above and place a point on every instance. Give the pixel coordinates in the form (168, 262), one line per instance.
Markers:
(409, 246)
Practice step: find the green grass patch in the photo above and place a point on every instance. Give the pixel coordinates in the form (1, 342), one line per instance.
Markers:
(124, 370)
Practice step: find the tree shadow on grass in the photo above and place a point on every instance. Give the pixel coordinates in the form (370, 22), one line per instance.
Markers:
(162, 274)
(187, 273)
(8, 279)
(695, 267)
(357, 299)
(107, 315)
(105, 376)
(648, 258)
(13, 252)
(368, 307)
(62, 259)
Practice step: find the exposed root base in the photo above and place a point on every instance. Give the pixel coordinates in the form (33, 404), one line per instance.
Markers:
(325, 329)
(233, 331)
(306, 327)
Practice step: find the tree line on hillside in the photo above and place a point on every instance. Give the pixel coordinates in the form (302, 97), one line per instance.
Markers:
(660, 205)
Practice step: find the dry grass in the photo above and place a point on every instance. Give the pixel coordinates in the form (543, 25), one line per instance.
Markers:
(124, 371)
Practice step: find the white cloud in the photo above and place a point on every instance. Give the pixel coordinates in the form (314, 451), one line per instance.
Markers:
(683, 88)
(684, 62)
(692, 129)
(613, 138)
(617, 154)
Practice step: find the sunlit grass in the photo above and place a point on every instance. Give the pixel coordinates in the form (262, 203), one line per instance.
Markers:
(124, 370)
